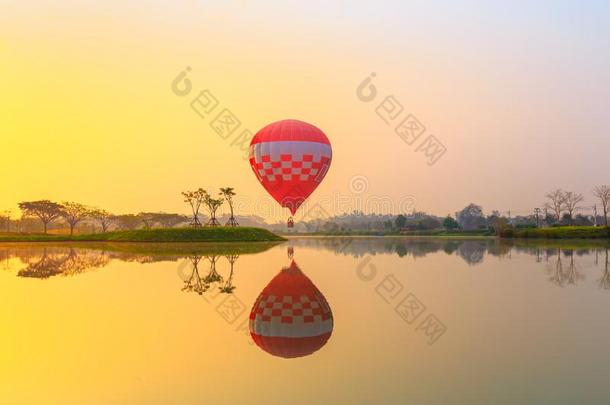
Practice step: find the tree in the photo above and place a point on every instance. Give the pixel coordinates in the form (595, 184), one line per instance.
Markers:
(428, 222)
(148, 218)
(603, 193)
(128, 221)
(450, 223)
(47, 211)
(73, 213)
(7, 214)
(471, 217)
(228, 193)
(497, 222)
(571, 201)
(103, 217)
(166, 220)
(400, 221)
(163, 219)
(212, 204)
(556, 202)
(195, 199)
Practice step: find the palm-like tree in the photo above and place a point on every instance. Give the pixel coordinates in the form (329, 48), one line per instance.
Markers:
(228, 193)
(195, 198)
(212, 205)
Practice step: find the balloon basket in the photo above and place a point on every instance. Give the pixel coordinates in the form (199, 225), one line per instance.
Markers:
(290, 223)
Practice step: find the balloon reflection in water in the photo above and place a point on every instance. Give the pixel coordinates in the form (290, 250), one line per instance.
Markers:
(291, 317)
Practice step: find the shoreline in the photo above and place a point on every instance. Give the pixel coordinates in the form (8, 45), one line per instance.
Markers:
(155, 235)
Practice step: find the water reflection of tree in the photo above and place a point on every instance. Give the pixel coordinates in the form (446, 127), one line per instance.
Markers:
(228, 286)
(213, 276)
(564, 274)
(472, 252)
(194, 283)
(198, 284)
(65, 262)
(604, 281)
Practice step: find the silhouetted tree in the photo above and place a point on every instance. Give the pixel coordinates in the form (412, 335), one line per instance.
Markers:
(73, 213)
(571, 201)
(471, 217)
(450, 223)
(47, 211)
(556, 200)
(228, 193)
(103, 217)
(400, 221)
(212, 204)
(195, 199)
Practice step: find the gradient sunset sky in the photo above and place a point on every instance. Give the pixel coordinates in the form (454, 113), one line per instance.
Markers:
(517, 92)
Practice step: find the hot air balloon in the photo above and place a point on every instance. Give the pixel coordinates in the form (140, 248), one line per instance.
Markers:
(291, 317)
(290, 159)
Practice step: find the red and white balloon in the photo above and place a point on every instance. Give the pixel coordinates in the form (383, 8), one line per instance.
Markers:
(290, 159)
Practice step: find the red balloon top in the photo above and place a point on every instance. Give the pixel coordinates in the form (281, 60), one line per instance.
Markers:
(290, 130)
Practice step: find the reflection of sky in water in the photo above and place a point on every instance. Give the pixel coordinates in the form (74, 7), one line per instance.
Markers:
(147, 324)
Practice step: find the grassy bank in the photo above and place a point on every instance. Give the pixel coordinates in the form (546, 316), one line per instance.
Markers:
(216, 234)
(562, 232)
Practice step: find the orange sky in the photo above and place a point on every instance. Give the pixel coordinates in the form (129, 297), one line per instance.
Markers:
(516, 94)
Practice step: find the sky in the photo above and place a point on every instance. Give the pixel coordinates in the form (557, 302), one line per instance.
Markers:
(516, 92)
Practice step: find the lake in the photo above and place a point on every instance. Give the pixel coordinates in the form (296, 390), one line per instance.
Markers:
(346, 320)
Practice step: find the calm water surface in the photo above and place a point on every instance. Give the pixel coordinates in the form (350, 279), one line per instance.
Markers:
(363, 320)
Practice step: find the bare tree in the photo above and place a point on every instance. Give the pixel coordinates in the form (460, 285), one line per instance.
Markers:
(212, 204)
(603, 193)
(47, 211)
(228, 193)
(195, 199)
(556, 201)
(571, 201)
(103, 217)
(73, 213)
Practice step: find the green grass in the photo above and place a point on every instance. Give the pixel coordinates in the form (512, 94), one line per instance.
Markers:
(562, 232)
(215, 234)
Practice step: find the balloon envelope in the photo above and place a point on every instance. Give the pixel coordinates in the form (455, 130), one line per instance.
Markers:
(291, 317)
(290, 159)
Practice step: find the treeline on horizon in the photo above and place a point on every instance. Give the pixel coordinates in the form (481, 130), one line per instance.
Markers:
(561, 208)
(43, 215)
